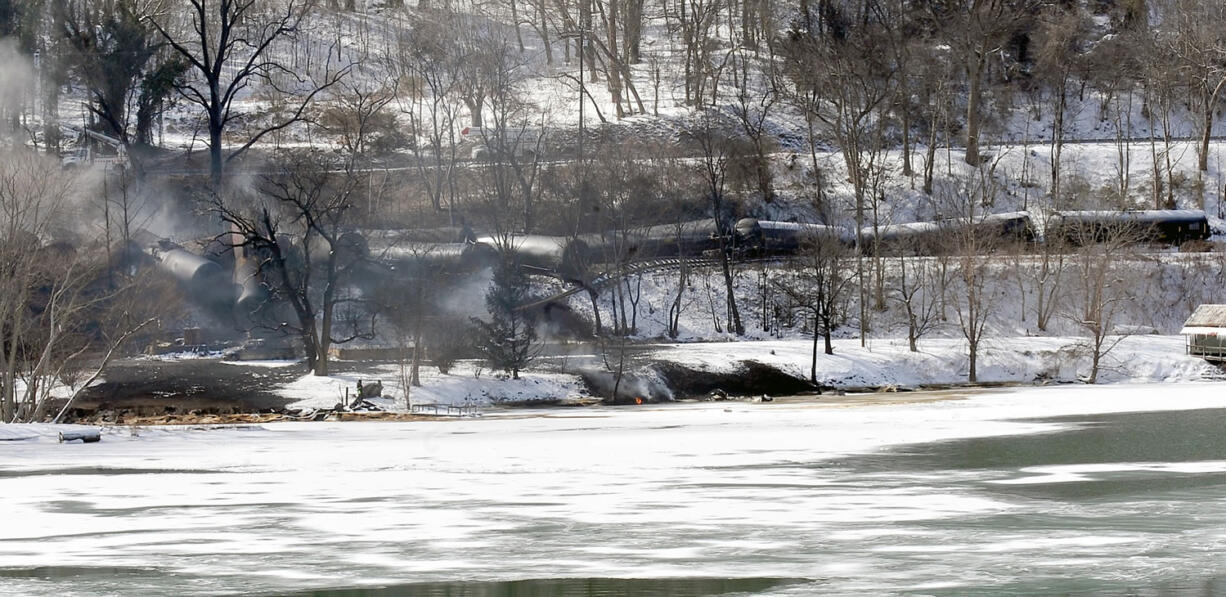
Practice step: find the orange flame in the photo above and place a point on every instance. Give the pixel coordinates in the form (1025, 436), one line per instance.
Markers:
(638, 400)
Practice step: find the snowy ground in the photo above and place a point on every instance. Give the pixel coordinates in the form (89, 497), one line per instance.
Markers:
(882, 363)
(468, 384)
(729, 490)
(1019, 360)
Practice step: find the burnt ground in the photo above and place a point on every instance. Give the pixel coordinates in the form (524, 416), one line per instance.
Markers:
(145, 387)
(750, 379)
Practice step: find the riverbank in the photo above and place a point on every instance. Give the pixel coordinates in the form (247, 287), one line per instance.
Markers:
(663, 372)
(188, 390)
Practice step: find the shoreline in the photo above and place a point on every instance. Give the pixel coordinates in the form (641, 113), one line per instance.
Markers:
(543, 411)
(195, 392)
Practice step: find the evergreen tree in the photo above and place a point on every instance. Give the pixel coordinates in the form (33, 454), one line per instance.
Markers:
(508, 339)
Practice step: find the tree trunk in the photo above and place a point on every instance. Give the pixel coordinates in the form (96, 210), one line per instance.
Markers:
(591, 292)
(826, 325)
(813, 360)
(415, 372)
(614, 75)
(973, 357)
(519, 38)
(733, 312)
(1094, 362)
(541, 14)
(1210, 104)
(1057, 138)
(215, 157)
(633, 27)
(475, 106)
(929, 160)
(912, 341)
(587, 52)
(973, 101)
(907, 170)
(309, 348)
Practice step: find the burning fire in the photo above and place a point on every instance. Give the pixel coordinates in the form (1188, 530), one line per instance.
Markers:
(638, 400)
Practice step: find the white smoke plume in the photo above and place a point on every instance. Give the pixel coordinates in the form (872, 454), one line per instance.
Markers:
(17, 84)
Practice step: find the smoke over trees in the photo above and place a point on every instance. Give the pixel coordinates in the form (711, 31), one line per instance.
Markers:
(297, 229)
(63, 315)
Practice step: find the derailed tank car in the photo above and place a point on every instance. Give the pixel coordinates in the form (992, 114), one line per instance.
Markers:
(1167, 226)
(416, 258)
(203, 279)
(564, 257)
(691, 238)
(769, 238)
(934, 238)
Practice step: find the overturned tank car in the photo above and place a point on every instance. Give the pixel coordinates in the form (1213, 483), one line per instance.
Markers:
(202, 279)
(560, 256)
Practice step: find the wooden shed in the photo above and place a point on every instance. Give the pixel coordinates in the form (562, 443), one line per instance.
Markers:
(1205, 331)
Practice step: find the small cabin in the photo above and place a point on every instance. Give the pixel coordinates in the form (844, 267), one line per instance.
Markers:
(1206, 333)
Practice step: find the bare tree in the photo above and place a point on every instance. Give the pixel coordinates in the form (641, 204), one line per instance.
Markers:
(61, 319)
(1161, 84)
(1103, 285)
(677, 201)
(822, 275)
(406, 300)
(840, 81)
(978, 30)
(696, 20)
(1113, 67)
(30, 201)
(232, 45)
(621, 187)
(1062, 32)
(360, 120)
(514, 139)
(917, 289)
(298, 227)
(753, 109)
(713, 168)
(1195, 36)
(1046, 278)
(433, 76)
(605, 48)
(972, 259)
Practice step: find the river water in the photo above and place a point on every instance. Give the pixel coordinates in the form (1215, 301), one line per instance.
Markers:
(1072, 490)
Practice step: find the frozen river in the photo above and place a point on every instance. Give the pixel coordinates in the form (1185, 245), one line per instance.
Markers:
(1081, 490)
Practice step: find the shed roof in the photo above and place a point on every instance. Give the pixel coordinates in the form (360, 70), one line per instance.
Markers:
(1205, 316)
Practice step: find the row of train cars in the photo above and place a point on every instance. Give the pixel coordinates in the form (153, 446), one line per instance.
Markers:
(576, 259)
(573, 258)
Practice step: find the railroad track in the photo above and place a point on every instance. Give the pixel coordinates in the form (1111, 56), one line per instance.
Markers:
(604, 279)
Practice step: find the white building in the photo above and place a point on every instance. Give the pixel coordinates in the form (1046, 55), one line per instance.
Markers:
(1206, 333)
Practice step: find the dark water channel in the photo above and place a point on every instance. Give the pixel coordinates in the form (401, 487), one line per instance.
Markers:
(573, 587)
(1151, 486)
